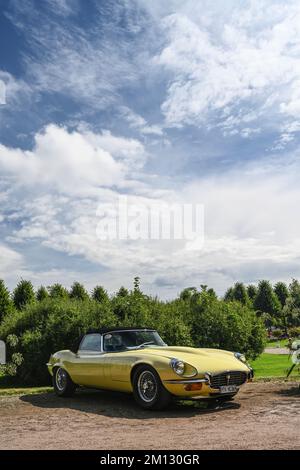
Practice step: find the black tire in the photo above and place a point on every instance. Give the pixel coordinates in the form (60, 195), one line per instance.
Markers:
(148, 390)
(62, 383)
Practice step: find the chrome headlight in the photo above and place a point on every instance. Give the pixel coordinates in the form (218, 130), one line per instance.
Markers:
(240, 357)
(177, 366)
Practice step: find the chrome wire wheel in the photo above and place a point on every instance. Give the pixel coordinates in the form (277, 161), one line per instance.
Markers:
(147, 386)
(61, 379)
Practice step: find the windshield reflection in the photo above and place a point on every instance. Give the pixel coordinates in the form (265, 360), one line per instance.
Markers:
(127, 340)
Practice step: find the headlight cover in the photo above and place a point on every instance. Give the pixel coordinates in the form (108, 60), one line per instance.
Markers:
(240, 357)
(177, 366)
(183, 368)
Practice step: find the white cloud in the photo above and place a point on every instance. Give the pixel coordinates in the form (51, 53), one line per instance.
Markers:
(251, 223)
(236, 67)
(152, 129)
(138, 122)
(127, 150)
(81, 63)
(72, 162)
(12, 90)
(2, 92)
(10, 262)
(63, 7)
(247, 60)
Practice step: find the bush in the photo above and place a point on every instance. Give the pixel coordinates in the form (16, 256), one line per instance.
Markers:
(49, 326)
(78, 292)
(294, 332)
(6, 305)
(227, 325)
(277, 334)
(42, 294)
(23, 294)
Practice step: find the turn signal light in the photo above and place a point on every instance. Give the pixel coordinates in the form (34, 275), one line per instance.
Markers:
(191, 387)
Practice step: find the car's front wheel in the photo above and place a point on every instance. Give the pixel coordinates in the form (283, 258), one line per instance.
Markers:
(148, 389)
(62, 383)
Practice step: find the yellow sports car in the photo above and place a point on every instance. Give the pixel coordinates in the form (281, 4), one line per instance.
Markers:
(136, 360)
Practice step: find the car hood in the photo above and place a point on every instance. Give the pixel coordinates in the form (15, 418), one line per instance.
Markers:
(204, 359)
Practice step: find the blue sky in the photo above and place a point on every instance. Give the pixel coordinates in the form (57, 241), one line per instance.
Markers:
(195, 102)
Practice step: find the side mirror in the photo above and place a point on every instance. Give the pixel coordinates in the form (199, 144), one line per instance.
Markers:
(2, 352)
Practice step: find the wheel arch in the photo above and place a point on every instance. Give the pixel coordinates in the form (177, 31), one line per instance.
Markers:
(138, 365)
(59, 359)
(158, 363)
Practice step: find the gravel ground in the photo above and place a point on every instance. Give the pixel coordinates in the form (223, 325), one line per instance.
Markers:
(277, 351)
(262, 416)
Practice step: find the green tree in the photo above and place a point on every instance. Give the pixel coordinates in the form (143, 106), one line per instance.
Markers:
(282, 292)
(251, 291)
(266, 301)
(57, 291)
(100, 294)
(239, 293)
(228, 297)
(291, 310)
(188, 293)
(23, 294)
(226, 325)
(6, 305)
(120, 307)
(136, 284)
(212, 293)
(78, 292)
(204, 288)
(42, 294)
(268, 320)
(122, 292)
(45, 327)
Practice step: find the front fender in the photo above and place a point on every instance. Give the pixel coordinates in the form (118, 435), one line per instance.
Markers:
(159, 363)
(60, 359)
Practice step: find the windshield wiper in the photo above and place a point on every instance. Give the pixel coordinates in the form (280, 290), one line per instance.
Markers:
(141, 345)
(145, 344)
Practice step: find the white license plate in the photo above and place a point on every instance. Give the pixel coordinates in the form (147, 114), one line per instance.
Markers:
(228, 389)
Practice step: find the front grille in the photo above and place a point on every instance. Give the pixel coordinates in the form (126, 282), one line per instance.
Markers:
(228, 378)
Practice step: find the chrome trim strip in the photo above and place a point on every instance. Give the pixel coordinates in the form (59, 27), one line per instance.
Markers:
(122, 330)
(187, 381)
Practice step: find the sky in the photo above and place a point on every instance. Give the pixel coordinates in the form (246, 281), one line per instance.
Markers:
(193, 102)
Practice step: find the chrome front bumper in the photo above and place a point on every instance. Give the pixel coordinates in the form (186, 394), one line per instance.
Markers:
(207, 379)
(187, 381)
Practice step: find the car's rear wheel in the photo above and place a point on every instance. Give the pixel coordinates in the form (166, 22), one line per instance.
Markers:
(62, 383)
(148, 389)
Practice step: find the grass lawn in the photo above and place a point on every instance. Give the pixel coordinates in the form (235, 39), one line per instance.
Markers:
(6, 392)
(273, 365)
(281, 343)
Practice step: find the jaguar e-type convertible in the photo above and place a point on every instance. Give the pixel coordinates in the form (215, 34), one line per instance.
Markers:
(136, 360)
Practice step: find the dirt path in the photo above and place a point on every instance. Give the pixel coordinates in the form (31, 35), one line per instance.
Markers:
(263, 416)
(277, 351)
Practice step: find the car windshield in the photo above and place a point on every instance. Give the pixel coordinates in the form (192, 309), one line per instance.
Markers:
(133, 339)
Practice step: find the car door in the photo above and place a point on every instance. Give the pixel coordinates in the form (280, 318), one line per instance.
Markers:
(118, 363)
(88, 367)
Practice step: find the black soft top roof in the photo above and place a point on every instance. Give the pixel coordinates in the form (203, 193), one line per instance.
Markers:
(120, 328)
